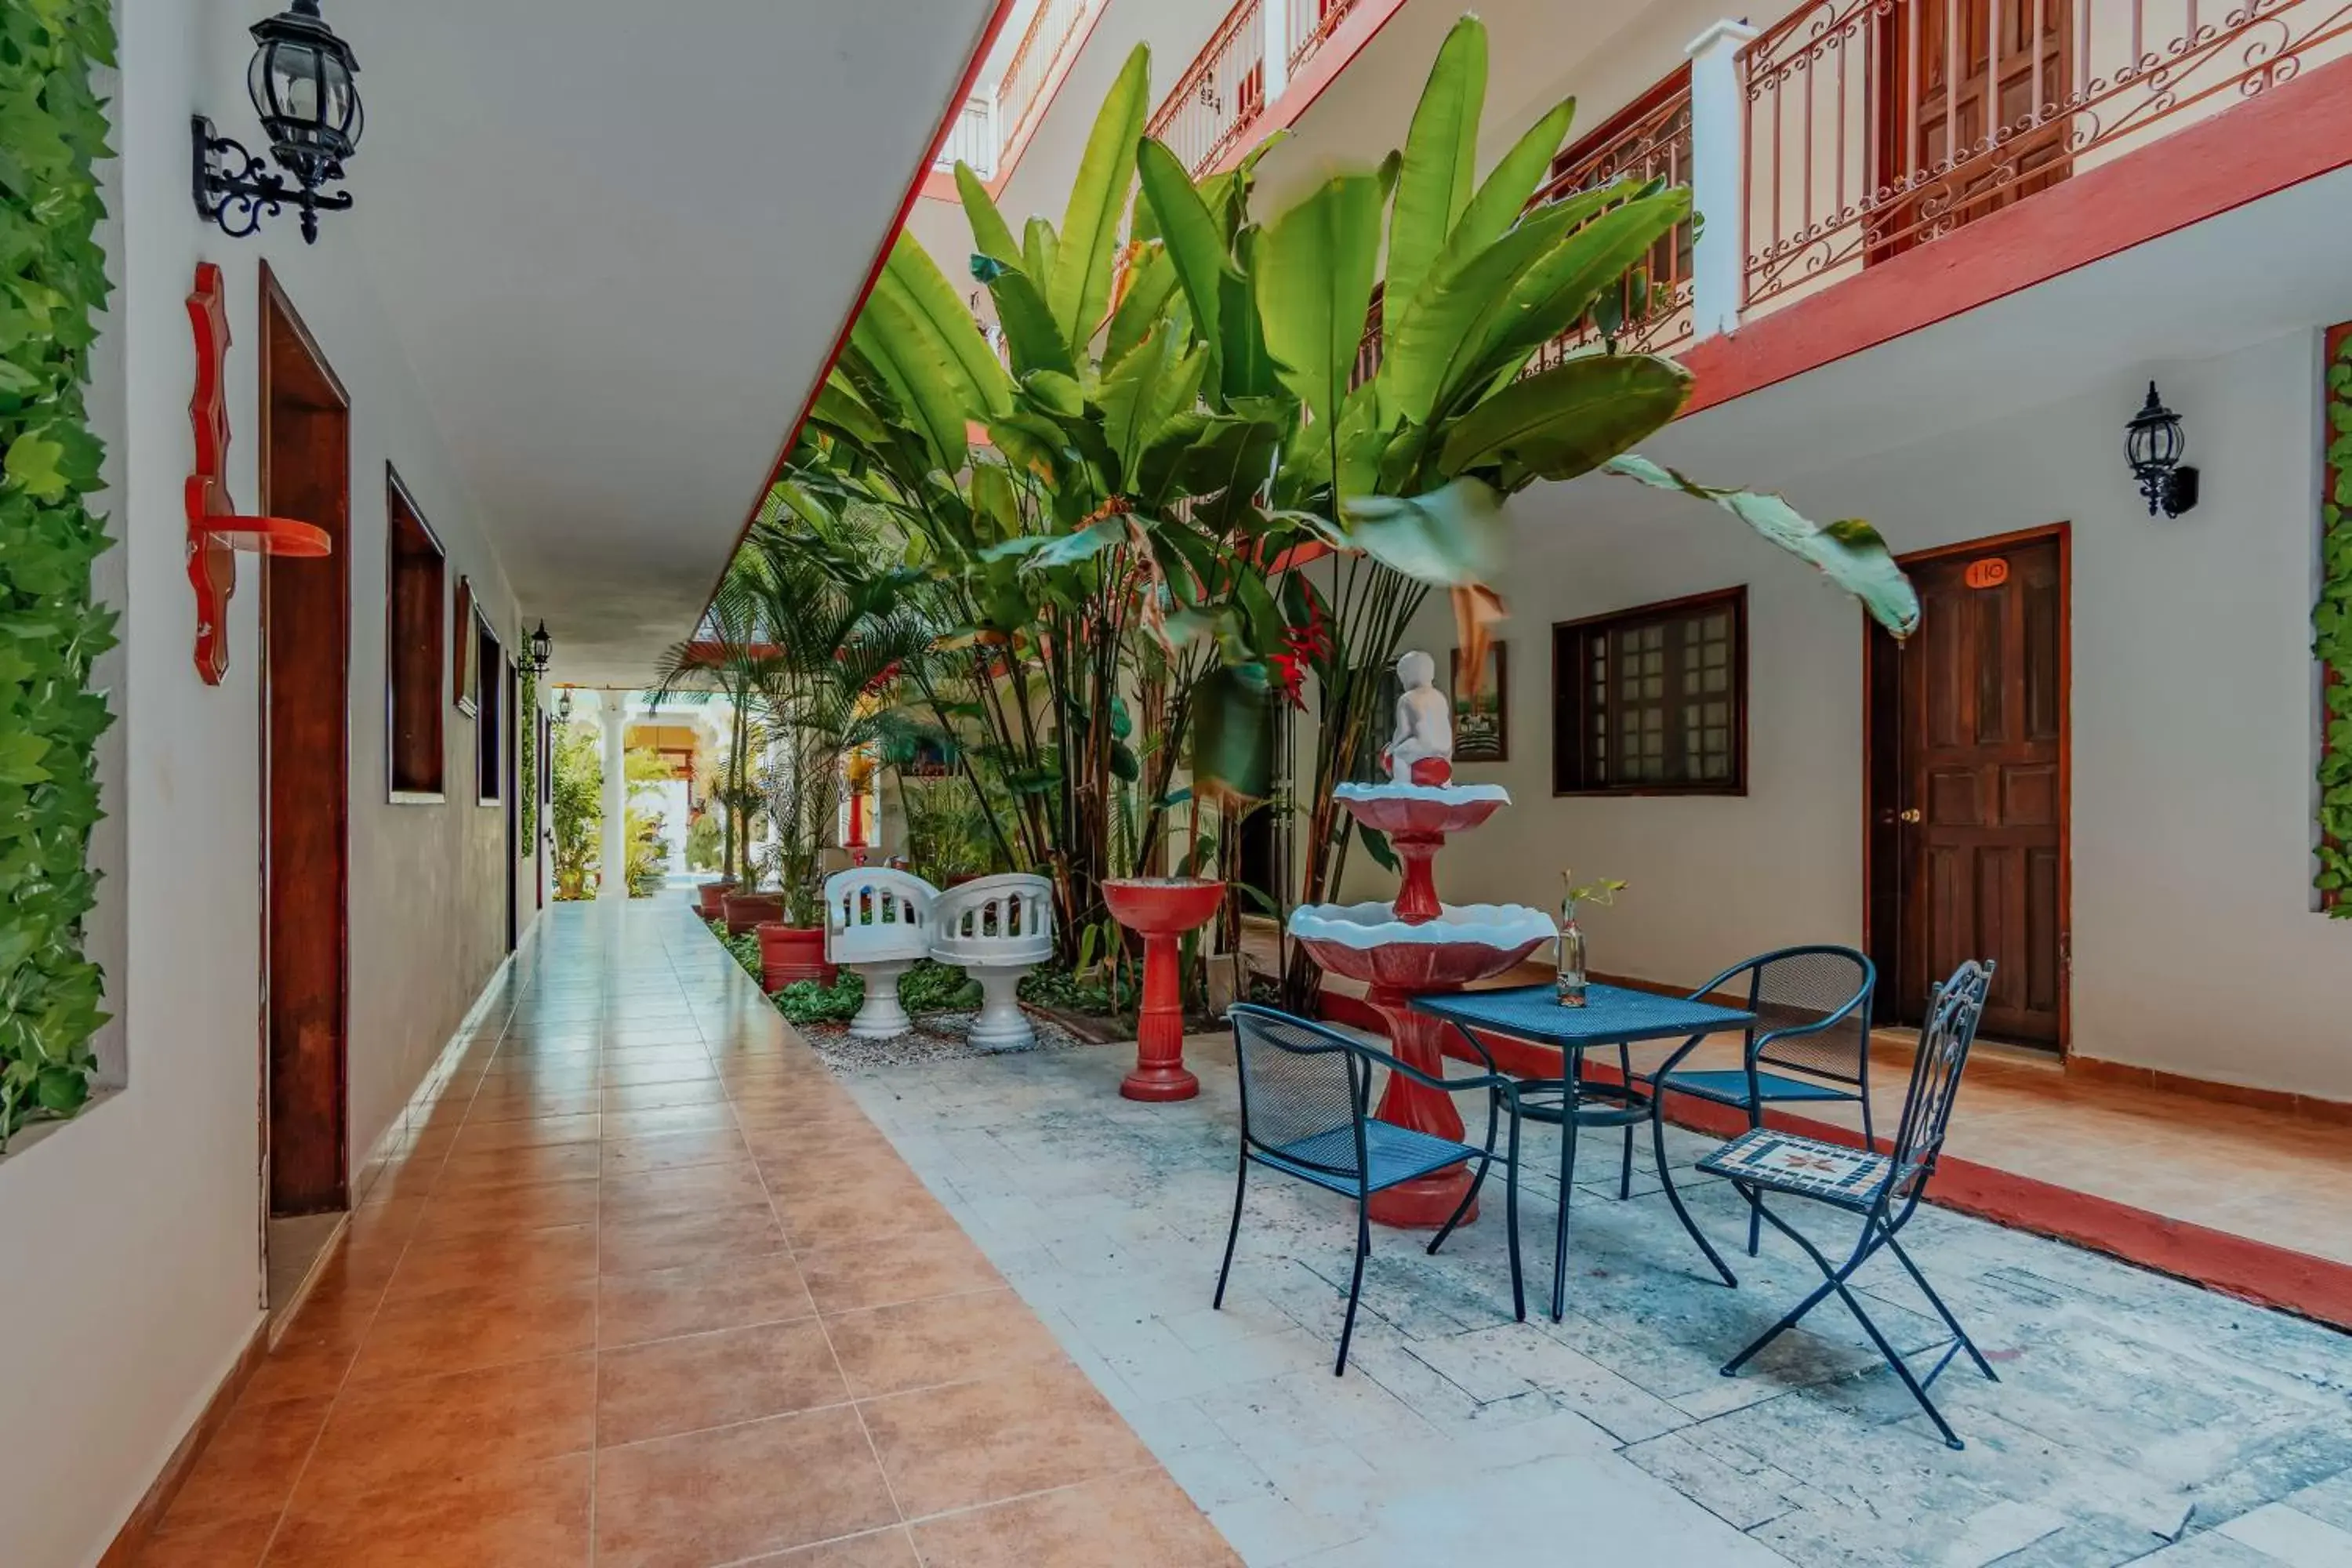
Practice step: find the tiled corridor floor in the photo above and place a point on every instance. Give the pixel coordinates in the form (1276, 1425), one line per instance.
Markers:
(645, 1286)
(2138, 1419)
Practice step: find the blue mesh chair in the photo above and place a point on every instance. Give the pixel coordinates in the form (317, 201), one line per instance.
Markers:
(1307, 1113)
(1883, 1189)
(1812, 1019)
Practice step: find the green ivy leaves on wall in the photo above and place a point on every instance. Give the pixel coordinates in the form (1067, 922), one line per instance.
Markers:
(2331, 624)
(52, 284)
(527, 764)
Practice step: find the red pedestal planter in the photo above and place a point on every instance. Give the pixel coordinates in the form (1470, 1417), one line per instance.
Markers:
(710, 899)
(792, 952)
(746, 911)
(1160, 911)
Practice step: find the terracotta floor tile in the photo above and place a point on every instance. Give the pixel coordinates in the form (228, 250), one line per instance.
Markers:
(949, 1339)
(892, 1548)
(683, 1189)
(917, 1265)
(458, 1331)
(475, 1137)
(511, 1259)
(236, 1544)
(645, 1046)
(736, 1492)
(521, 1167)
(645, 1096)
(421, 1433)
(674, 1241)
(730, 1293)
(248, 1468)
(865, 1210)
(533, 1516)
(664, 1119)
(573, 1066)
(1141, 1519)
(464, 1210)
(972, 1442)
(669, 1151)
(617, 1075)
(714, 1380)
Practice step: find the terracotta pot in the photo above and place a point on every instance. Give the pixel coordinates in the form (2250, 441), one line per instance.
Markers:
(792, 952)
(745, 910)
(707, 898)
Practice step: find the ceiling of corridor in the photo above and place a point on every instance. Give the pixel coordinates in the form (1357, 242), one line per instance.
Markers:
(616, 241)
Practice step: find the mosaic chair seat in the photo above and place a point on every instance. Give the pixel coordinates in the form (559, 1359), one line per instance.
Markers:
(877, 922)
(1306, 1092)
(1885, 1189)
(997, 929)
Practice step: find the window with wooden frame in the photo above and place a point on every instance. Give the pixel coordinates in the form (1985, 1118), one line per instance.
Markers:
(413, 630)
(1652, 700)
(489, 726)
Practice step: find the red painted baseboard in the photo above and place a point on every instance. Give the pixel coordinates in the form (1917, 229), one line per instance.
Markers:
(2257, 1271)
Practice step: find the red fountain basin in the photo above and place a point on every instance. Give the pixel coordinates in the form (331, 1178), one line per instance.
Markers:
(1465, 942)
(1160, 910)
(1162, 906)
(1422, 809)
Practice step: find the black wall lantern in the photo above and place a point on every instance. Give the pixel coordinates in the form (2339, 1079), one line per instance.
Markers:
(2154, 443)
(301, 84)
(563, 707)
(540, 649)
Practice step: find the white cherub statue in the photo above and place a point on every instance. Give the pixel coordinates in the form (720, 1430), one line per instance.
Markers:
(1421, 750)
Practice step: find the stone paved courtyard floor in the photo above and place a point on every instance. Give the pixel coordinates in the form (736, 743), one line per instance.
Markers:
(2138, 1419)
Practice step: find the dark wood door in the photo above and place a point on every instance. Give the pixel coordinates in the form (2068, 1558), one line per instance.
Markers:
(1957, 76)
(1969, 790)
(306, 606)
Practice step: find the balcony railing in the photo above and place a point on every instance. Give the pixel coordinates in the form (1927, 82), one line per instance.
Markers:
(972, 138)
(1874, 126)
(1221, 93)
(1649, 141)
(1020, 93)
(1310, 23)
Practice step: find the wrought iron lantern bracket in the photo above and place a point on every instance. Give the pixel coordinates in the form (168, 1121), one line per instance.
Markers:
(237, 189)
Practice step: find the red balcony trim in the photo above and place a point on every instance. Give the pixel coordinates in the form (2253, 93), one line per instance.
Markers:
(1317, 71)
(2294, 132)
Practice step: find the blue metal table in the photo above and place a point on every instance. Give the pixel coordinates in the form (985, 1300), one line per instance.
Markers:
(1612, 1017)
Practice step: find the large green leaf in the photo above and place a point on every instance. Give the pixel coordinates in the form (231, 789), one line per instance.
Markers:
(1554, 295)
(1452, 314)
(1849, 553)
(1150, 285)
(921, 374)
(1314, 279)
(1079, 291)
(1453, 537)
(1503, 195)
(1572, 418)
(1441, 154)
(1040, 251)
(944, 312)
(1144, 392)
(1232, 757)
(1196, 242)
(991, 235)
(1028, 325)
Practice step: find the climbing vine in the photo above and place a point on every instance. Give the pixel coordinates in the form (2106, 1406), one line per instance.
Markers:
(2331, 624)
(527, 764)
(52, 284)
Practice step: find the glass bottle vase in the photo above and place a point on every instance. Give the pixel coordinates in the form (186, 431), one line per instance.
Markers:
(1569, 981)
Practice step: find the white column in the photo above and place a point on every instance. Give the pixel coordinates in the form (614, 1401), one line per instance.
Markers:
(1718, 175)
(613, 709)
(1276, 16)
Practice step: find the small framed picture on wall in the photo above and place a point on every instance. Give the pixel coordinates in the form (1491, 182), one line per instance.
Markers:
(1482, 723)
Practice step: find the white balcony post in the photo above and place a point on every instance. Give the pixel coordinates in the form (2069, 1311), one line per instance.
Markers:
(613, 709)
(1718, 176)
(1274, 19)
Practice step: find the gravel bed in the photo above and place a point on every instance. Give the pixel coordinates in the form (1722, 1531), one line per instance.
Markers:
(936, 1036)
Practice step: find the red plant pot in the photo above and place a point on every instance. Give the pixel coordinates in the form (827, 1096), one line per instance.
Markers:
(710, 899)
(792, 952)
(1160, 910)
(747, 911)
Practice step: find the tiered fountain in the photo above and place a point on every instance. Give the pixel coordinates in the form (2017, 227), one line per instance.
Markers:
(1418, 946)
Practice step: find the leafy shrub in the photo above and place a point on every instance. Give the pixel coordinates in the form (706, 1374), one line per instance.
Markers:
(928, 987)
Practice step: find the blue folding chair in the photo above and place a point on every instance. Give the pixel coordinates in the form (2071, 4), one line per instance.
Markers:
(1307, 1113)
(1883, 1189)
(1812, 1019)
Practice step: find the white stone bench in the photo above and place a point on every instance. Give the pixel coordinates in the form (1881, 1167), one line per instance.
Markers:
(877, 922)
(997, 929)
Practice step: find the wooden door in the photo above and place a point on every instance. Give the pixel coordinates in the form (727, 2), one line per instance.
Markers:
(1969, 785)
(306, 681)
(1953, 76)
